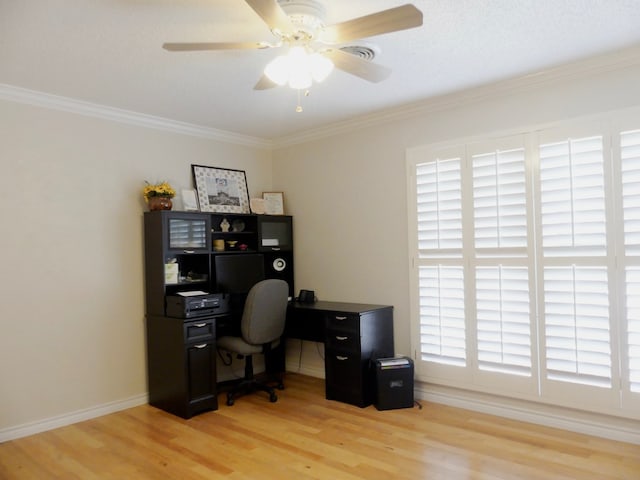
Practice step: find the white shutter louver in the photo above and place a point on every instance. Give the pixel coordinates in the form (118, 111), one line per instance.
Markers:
(442, 319)
(630, 170)
(572, 197)
(439, 198)
(576, 304)
(633, 326)
(504, 331)
(500, 214)
(630, 164)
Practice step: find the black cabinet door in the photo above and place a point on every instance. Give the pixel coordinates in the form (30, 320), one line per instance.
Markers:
(344, 377)
(201, 365)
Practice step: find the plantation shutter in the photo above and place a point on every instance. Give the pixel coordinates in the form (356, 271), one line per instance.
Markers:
(630, 167)
(633, 326)
(441, 287)
(576, 292)
(439, 197)
(630, 164)
(577, 325)
(500, 214)
(504, 331)
(442, 322)
(500, 233)
(572, 198)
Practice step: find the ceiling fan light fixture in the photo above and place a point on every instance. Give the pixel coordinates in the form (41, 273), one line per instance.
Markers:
(321, 66)
(298, 68)
(278, 70)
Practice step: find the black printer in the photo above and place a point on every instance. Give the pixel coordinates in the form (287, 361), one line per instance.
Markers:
(193, 306)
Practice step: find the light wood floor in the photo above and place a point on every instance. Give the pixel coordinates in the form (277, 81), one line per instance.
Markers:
(304, 436)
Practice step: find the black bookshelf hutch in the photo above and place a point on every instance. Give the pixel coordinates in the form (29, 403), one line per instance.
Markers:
(210, 252)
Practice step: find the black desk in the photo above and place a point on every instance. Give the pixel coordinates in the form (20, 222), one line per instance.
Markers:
(354, 335)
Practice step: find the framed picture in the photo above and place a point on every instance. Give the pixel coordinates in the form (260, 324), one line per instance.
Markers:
(189, 200)
(221, 190)
(273, 203)
(257, 205)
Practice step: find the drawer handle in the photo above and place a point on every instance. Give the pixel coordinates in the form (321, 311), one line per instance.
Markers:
(200, 346)
(341, 318)
(342, 358)
(338, 337)
(200, 325)
(188, 251)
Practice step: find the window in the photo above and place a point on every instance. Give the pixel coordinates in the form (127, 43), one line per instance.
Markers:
(526, 256)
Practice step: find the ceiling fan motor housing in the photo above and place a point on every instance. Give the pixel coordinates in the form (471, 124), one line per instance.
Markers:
(308, 16)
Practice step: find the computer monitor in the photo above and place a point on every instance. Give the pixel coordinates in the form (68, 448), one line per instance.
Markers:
(237, 273)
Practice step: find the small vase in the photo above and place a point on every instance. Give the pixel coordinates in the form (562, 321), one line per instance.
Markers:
(160, 203)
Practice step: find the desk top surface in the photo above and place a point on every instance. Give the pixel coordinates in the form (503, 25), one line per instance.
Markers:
(338, 306)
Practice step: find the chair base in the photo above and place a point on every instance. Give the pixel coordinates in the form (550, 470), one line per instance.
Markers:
(250, 384)
(244, 388)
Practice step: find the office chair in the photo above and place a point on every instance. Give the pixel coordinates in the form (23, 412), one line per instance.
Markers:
(261, 327)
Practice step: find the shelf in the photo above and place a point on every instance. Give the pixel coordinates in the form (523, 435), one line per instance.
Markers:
(236, 251)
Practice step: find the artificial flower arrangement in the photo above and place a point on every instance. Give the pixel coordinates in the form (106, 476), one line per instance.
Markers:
(158, 190)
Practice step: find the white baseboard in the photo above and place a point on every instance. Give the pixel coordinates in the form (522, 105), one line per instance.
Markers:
(613, 428)
(32, 428)
(604, 426)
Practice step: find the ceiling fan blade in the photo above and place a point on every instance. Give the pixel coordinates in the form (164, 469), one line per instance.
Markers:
(392, 20)
(264, 83)
(192, 47)
(272, 14)
(358, 66)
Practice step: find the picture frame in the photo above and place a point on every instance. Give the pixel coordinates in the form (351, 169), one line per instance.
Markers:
(257, 205)
(273, 203)
(221, 190)
(189, 200)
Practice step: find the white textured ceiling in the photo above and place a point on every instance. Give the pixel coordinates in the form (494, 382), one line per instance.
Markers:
(109, 52)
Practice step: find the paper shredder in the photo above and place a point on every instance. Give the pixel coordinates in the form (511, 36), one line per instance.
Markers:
(394, 383)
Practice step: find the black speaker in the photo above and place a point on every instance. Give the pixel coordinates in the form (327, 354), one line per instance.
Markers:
(280, 265)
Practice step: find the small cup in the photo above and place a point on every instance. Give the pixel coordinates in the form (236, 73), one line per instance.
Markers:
(218, 245)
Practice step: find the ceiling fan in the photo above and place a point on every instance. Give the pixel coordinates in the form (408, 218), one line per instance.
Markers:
(313, 47)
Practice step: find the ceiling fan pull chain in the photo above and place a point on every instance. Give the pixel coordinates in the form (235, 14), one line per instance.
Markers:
(299, 106)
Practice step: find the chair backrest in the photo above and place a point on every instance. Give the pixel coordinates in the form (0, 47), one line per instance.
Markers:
(265, 312)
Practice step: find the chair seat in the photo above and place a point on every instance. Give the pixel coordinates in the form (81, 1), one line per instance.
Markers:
(238, 345)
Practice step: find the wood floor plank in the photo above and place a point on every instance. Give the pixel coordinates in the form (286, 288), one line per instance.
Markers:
(304, 436)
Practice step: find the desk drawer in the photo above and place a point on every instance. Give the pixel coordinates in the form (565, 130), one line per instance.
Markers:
(343, 321)
(344, 377)
(345, 340)
(199, 330)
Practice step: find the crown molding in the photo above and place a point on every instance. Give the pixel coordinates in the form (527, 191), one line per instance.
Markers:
(626, 58)
(55, 102)
(580, 69)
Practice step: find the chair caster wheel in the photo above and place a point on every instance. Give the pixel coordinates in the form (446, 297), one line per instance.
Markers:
(273, 397)
(230, 401)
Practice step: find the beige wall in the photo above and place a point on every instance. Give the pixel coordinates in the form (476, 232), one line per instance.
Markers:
(72, 308)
